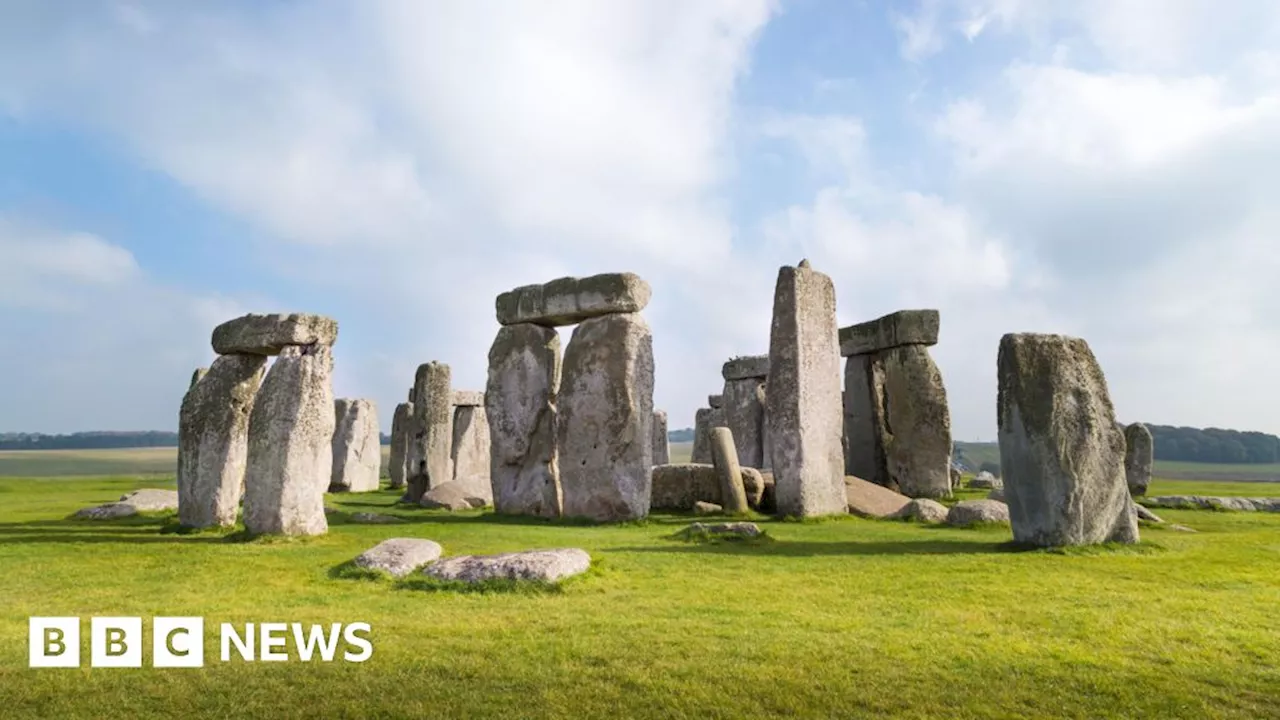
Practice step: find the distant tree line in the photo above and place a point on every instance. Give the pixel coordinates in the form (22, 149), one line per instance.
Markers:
(88, 440)
(1214, 445)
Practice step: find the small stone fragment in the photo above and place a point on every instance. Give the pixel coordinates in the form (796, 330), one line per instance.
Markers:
(924, 510)
(706, 508)
(726, 531)
(978, 512)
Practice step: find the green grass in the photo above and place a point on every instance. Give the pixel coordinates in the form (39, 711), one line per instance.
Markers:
(842, 618)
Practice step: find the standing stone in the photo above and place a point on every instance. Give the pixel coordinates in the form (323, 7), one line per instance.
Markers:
(766, 444)
(919, 449)
(1139, 456)
(606, 417)
(195, 376)
(291, 445)
(866, 420)
(357, 446)
(732, 492)
(401, 421)
(743, 410)
(702, 436)
(1061, 453)
(520, 404)
(213, 440)
(429, 459)
(471, 450)
(804, 395)
(661, 440)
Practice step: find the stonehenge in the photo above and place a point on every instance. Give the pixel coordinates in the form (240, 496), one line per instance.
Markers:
(803, 402)
(271, 334)
(732, 491)
(1139, 457)
(398, 461)
(743, 406)
(357, 446)
(1062, 455)
(661, 440)
(520, 403)
(570, 300)
(429, 452)
(470, 450)
(897, 425)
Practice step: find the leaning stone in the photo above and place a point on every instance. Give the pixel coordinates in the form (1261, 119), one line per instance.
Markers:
(747, 367)
(471, 451)
(429, 459)
(1145, 514)
(369, 518)
(978, 512)
(661, 439)
(733, 495)
(532, 565)
(570, 300)
(923, 510)
(152, 499)
(715, 402)
(291, 445)
(213, 441)
(196, 376)
(269, 334)
(399, 556)
(400, 423)
(451, 496)
(108, 511)
(357, 446)
(468, 398)
(985, 481)
(867, 499)
(728, 531)
(1061, 454)
(605, 419)
(804, 395)
(744, 415)
(905, 327)
(706, 508)
(1139, 456)
(524, 376)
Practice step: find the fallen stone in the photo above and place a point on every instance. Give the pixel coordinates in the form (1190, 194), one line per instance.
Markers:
(399, 556)
(1139, 457)
(1061, 453)
(571, 300)
(729, 530)
(524, 376)
(806, 423)
(213, 441)
(429, 458)
(401, 421)
(1203, 502)
(985, 481)
(867, 499)
(533, 565)
(468, 398)
(1145, 514)
(605, 421)
(269, 334)
(905, 327)
(923, 510)
(470, 453)
(152, 499)
(107, 511)
(706, 508)
(369, 518)
(661, 439)
(919, 450)
(357, 446)
(290, 458)
(748, 367)
(975, 512)
(451, 496)
(733, 495)
(679, 486)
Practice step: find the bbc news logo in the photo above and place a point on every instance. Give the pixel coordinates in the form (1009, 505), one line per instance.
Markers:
(178, 642)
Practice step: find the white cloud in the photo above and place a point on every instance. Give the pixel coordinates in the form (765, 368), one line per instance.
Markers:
(42, 270)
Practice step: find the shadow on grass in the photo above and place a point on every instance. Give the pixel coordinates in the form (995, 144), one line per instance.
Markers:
(136, 529)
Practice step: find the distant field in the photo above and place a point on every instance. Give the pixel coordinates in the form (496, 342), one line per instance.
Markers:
(978, 453)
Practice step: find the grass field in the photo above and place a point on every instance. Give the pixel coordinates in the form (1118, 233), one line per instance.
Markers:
(843, 618)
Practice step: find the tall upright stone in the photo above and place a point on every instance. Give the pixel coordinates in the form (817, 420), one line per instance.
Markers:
(702, 436)
(1139, 457)
(766, 444)
(429, 460)
(804, 395)
(520, 405)
(471, 445)
(401, 421)
(357, 446)
(290, 455)
(1061, 452)
(743, 410)
(661, 440)
(604, 435)
(213, 440)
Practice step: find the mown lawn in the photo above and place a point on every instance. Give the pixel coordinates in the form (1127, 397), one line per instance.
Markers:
(847, 618)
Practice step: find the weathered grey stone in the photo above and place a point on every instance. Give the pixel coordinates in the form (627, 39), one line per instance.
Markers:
(923, 510)
(919, 423)
(269, 334)
(732, 493)
(679, 486)
(753, 485)
(866, 436)
(715, 402)
(747, 367)
(410, 398)
(357, 446)
(706, 508)
(661, 439)
(107, 511)
(975, 512)
(1061, 454)
(152, 499)
(290, 455)
(401, 422)
(728, 531)
(370, 518)
(532, 565)
(471, 451)
(744, 415)
(399, 556)
(905, 327)
(524, 377)
(866, 499)
(955, 479)
(704, 420)
(570, 300)
(1201, 502)
(452, 496)
(766, 443)
(804, 395)
(1145, 514)
(606, 416)
(196, 375)
(465, 398)
(213, 441)
(1139, 457)
(985, 481)
(429, 459)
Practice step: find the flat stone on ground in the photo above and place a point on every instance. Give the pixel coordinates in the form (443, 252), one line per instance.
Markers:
(731, 530)
(905, 327)
(1204, 502)
(451, 496)
(972, 512)
(536, 565)
(108, 511)
(399, 556)
(370, 518)
(152, 499)
(867, 499)
(570, 300)
(269, 334)
(706, 508)
(924, 510)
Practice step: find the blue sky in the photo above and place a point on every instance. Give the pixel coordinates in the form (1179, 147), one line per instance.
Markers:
(1102, 168)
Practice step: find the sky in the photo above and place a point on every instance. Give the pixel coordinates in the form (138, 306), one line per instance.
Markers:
(1106, 169)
